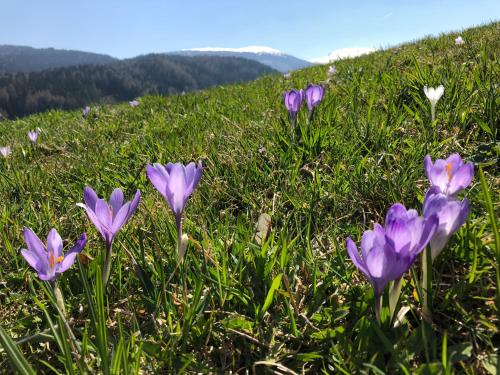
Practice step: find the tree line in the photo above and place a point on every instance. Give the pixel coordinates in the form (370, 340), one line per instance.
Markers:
(73, 87)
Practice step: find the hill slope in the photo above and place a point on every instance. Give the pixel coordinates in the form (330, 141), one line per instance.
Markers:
(296, 303)
(74, 87)
(27, 59)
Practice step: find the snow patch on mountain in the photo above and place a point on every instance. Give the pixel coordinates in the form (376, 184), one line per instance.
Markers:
(249, 49)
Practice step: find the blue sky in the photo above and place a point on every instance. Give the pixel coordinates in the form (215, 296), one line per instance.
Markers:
(306, 29)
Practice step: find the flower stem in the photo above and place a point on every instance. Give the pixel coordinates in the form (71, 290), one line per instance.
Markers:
(378, 306)
(178, 222)
(427, 283)
(107, 265)
(59, 297)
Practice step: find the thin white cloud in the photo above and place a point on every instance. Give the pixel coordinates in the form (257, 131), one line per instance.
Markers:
(343, 53)
(387, 15)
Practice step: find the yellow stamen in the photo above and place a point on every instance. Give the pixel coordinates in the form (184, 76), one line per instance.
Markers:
(448, 170)
(59, 259)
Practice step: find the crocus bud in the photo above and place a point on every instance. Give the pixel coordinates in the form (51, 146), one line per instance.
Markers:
(293, 100)
(314, 95)
(434, 94)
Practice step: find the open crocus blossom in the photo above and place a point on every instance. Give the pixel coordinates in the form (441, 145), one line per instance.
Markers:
(314, 95)
(451, 213)
(387, 253)
(33, 135)
(133, 103)
(176, 183)
(459, 41)
(5, 151)
(293, 101)
(49, 261)
(450, 175)
(85, 111)
(109, 218)
(331, 70)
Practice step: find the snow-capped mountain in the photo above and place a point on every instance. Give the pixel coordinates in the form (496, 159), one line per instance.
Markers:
(268, 56)
(343, 53)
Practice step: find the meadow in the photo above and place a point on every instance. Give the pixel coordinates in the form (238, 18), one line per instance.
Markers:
(283, 297)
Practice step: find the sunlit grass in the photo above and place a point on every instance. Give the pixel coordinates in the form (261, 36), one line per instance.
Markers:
(294, 301)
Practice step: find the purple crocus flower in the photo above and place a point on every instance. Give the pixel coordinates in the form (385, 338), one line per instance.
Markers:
(133, 103)
(293, 101)
(108, 218)
(49, 261)
(176, 183)
(314, 95)
(452, 214)
(5, 151)
(450, 175)
(386, 254)
(33, 135)
(85, 111)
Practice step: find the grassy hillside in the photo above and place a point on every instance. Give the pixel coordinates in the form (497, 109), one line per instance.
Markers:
(217, 311)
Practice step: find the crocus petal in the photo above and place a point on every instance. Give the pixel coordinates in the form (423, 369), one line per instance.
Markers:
(90, 197)
(352, 250)
(120, 218)
(461, 178)
(430, 225)
(54, 243)
(35, 245)
(70, 256)
(46, 276)
(428, 165)
(33, 259)
(439, 175)
(116, 200)
(103, 213)
(439, 91)
(157, 178)
(95, 220)
(176, 188)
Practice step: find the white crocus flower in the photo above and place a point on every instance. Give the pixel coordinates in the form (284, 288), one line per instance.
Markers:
(459, 41)
(433, 94)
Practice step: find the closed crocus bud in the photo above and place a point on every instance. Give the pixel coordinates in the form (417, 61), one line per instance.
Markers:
(450, 175)
(85, 111)
(434, 94)
(33, 135)
(5, 151)
(293, 101)
(133, 103)
(314, 95)
(451, 213)
(176, 183)
(48, 260)
(331, 70)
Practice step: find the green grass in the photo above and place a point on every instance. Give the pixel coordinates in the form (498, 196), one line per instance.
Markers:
(296, 302)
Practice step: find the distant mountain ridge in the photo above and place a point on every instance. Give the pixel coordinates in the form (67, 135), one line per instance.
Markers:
(28, 59)
(265, 55)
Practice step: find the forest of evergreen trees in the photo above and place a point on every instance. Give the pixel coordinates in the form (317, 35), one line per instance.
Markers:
(74, 87)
